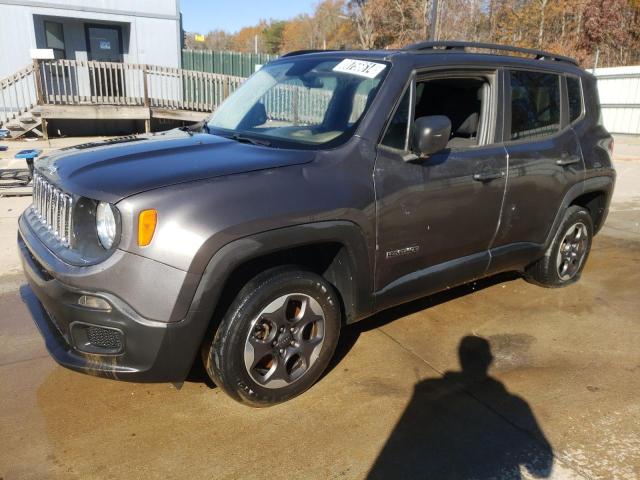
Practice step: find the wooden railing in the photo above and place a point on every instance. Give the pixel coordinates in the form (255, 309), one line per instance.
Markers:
(70, 82)
(17, 94)
(76, 82)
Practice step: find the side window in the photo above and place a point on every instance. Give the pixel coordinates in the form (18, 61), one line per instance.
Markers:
(535, 104)
(464, 101)
(396, 135)
(575, 98)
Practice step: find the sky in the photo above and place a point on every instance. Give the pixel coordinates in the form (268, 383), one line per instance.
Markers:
(202, 16)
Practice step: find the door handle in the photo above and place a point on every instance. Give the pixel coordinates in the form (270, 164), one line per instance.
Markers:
(563, 162)
(487, 176)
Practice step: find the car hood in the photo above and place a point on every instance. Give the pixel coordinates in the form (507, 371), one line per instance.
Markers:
(111, 170)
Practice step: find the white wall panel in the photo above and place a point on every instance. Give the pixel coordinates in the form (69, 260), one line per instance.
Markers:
(619, 90)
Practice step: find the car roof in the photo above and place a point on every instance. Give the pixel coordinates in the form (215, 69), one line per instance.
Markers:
(429, 57)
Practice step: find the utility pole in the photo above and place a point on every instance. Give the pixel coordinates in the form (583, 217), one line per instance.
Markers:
(595, 63)
(433, 24)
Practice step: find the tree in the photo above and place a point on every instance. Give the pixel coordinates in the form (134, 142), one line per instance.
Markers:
(362, 13)
(571, 27)
(297, 34)
(272, 35)
(247, 38)
(606, 29)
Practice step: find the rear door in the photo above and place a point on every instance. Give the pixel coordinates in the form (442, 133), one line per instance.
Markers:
(543, 153)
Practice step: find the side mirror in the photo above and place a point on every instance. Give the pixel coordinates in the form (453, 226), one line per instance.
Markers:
(430, 134)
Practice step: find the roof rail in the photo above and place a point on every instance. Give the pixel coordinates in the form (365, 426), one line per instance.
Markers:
(302, 52)
(457, 45)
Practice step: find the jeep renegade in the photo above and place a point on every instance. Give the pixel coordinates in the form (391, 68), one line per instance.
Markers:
(331, 185)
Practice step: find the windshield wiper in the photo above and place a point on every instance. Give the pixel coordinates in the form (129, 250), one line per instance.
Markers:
(254, 141)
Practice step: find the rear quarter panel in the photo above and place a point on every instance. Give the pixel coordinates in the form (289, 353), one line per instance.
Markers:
(595, 140)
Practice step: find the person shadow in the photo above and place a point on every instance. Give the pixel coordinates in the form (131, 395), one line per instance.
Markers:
(465, 425)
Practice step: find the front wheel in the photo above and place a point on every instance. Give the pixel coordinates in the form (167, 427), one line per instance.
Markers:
(277, 337)
(566, 257)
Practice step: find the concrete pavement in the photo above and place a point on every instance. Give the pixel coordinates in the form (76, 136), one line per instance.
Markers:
(561, 398)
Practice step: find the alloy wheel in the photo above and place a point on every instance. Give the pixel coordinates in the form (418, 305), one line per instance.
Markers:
(284, 340)
(572, 251)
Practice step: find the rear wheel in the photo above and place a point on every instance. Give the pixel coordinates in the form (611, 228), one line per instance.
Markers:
(276, 339)
(566, 257)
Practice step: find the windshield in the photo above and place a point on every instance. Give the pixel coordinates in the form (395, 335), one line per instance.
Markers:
(303, 102)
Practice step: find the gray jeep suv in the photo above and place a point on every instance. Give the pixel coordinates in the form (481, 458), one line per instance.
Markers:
(330, 186)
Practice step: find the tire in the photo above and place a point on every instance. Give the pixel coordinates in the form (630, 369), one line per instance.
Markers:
(574, 237)
(276, 338)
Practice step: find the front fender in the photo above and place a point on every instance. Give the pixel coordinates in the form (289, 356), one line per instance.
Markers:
(356, 290)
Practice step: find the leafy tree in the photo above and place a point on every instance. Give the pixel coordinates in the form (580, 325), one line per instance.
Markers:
(272, 35)
(576, 28)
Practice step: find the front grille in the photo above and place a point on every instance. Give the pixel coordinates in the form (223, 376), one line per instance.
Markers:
(104, 338)
(54, 208)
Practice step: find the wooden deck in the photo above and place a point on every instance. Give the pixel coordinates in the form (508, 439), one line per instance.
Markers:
(116, 112)
(67, 89)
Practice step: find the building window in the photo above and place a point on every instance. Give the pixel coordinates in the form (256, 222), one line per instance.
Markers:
(54, 38)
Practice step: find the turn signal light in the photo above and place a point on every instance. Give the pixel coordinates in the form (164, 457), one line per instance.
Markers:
(146, 226)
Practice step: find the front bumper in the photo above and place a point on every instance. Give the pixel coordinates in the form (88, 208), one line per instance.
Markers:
(139, 349)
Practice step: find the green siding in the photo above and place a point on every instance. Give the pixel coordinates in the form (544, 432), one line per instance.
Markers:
(228, 63)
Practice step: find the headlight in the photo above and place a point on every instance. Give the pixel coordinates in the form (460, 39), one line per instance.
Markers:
(106, 225)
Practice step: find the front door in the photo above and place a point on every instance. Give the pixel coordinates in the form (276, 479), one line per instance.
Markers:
(104, 44)
(437, 216)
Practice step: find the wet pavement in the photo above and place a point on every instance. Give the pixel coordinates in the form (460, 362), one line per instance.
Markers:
(497, 379)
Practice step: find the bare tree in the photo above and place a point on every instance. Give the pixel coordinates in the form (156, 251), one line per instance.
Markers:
(362, 15)
(542, 5)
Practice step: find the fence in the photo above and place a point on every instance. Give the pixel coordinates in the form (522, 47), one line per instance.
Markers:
(17, 94)
(295, 103)
(619, 90)
(70, 82)
(227, 63)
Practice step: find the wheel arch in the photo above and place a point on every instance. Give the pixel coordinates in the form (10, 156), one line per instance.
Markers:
(337, 250)
(594, 194)
(596, 203)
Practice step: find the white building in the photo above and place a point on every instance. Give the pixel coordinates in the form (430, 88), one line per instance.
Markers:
(619, 90)
(139, 31)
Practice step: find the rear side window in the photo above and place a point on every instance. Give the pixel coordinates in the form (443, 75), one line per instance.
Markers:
(575, 98)
(535, 105)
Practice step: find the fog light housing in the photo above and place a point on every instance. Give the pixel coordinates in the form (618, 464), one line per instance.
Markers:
(97, 339)
(94, 303)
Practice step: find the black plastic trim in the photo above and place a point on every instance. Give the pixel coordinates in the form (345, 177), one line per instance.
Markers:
(240, 251)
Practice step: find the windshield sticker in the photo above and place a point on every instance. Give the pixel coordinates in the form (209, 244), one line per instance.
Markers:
(360, 67)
